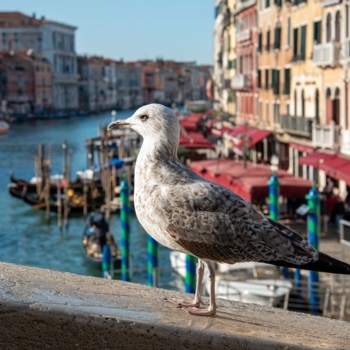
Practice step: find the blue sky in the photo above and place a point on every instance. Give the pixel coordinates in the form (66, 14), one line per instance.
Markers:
(133, 29)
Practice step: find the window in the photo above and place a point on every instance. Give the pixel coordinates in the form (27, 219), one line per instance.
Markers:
(302, 103)
(259, 78)
(267, 3)
(328, 28)
(288, 31)
(295, 102)
(317, 32)
(295, 41)
(266, 79)
(260, 42)
(276, 81)
(277, 44)
(303, 42)
(268, 41)
(286, 88)
(337, 27)
(346, 21)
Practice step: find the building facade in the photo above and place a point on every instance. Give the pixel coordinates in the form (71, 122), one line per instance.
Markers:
(52, 40)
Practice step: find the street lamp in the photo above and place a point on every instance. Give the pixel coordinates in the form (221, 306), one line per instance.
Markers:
(274, 163)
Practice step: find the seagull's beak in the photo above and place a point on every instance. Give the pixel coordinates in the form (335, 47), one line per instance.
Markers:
(119, 124)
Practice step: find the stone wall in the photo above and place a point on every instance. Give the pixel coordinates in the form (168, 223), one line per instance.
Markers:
(45, 309)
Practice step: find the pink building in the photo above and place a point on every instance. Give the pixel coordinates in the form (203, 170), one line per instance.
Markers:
(245, 81)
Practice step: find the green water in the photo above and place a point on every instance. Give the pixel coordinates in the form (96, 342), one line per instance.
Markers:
(25, 238)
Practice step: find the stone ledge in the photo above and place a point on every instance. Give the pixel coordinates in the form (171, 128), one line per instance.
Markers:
(45, 309)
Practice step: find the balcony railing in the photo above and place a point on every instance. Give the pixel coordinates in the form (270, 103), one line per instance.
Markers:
(244, 35)
(326, 54)
(297, 125)
(241, 81)
(326, 136)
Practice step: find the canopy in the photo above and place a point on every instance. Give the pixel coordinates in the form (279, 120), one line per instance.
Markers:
(190, 122)
(250, 183)
(337, 168)
(302, 147)
(194, 140)
(315, 159)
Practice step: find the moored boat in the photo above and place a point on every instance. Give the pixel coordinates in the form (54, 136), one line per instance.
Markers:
(4, 127)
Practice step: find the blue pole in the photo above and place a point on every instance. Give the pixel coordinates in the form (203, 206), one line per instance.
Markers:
(274, 193)
(313, 199)
(106, 261)
(190, 278)
(125, 229)
(152, 262)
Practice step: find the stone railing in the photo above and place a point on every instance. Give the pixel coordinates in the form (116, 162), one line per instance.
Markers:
(45, 309)
(327, 54)
(326, 136)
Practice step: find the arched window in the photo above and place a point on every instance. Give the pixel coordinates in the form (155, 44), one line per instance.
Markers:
(317, 106)
(337, 27)
(336, 107)
(329, 28)
(302, 103)
(329, 107)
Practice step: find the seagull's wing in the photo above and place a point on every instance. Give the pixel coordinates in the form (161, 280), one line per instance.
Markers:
(213, 223)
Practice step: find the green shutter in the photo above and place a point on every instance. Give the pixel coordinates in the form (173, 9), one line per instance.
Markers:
(295, 41)
(277, 82)
(303, 42)
(286, 89)
(266, 78)
(288, 34)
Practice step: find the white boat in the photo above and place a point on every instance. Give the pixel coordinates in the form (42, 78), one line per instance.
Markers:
(4, 127)
(249, 282)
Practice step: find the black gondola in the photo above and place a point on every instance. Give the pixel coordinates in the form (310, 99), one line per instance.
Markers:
(91, 246)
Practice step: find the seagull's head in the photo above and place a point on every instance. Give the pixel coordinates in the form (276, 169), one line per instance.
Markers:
(154, 122)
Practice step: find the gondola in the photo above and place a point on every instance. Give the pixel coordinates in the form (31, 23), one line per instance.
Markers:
(75, 204)
(95, 260)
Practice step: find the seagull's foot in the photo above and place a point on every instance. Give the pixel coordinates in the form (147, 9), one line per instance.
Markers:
(210, 311)
(182, 303)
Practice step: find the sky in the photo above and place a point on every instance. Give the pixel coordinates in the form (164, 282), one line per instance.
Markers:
(181, 30)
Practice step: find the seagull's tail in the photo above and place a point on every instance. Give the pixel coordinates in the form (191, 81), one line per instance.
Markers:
(325, 263)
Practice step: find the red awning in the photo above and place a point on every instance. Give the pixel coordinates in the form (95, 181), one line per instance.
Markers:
(302, 147)
(219, 131)
(315, 159)
(190, 122)
(250, 183)
(337, 168)
(194, 140)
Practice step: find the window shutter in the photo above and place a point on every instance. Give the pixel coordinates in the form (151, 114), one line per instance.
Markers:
(295, 41)
(303, 42)
(286, 81)
(289, 29)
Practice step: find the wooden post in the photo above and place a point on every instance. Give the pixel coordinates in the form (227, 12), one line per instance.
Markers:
(85, 190)
(36, 168)
(59, 207)
(41, 167)
(64, 158)
(47, 191)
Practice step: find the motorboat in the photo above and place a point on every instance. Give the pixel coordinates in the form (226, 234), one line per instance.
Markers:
(249, 282)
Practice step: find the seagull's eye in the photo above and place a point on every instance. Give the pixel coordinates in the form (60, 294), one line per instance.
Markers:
(144, 117)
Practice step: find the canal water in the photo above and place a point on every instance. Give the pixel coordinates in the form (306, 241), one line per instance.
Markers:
(26, 238)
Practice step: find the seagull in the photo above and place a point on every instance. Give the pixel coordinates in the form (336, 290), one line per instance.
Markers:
(187, 213)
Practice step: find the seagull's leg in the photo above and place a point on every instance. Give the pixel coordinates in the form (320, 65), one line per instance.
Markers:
(211, 310)
(197, 297)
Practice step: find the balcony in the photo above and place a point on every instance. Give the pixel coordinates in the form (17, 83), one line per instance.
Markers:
(243, 35)
(241, 81)
(326, 136)
(326, 54)
(297, 125)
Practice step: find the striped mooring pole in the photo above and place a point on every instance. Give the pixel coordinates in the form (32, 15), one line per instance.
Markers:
(274, 193)
(152, 262)
(106, 261)
(190, 278)
(313, 199)
(125, 228)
